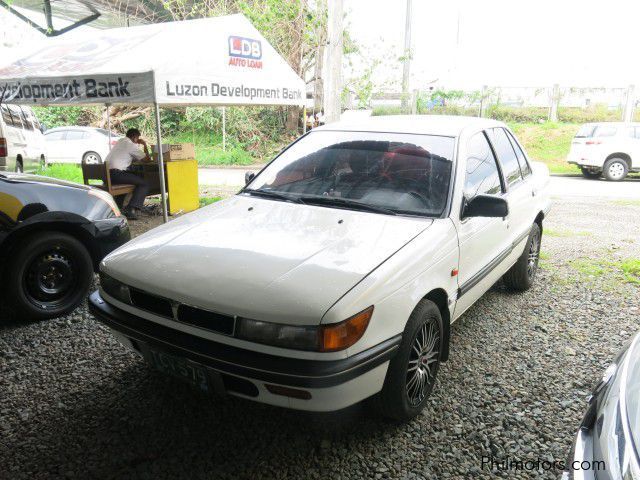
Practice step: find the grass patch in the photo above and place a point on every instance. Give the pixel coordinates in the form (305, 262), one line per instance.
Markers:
(631, 270)
(204, 201)
(565, 233)
(548, 142)
(63, 171)
(627, 203)
(589, 267)
(209, 149)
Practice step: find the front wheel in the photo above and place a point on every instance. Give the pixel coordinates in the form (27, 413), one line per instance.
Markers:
(412, 371)
(91, 158)
(521, 275)
(615, 169)
(586, 173)
(49, 275)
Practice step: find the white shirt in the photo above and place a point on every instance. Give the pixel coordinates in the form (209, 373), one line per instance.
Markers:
(123, 153)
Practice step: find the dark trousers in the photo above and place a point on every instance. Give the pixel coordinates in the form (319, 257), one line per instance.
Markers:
(119, 177)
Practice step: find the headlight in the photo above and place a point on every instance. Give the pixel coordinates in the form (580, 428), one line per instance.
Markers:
(114, 288)
(325, 338)
(107, 198)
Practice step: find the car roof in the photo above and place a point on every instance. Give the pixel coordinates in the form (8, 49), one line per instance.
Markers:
(60, 129)
(446, 125)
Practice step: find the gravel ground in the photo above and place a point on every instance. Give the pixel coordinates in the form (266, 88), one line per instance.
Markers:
(75, 404)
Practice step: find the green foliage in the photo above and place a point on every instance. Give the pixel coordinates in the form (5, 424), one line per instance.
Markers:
(63, 171)
(631, 270)
(55, 116)
(204, 201)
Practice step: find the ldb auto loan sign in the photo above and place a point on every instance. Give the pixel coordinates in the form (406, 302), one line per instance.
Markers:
(123, 88)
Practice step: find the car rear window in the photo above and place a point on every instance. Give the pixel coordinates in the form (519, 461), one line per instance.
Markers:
(586, 131)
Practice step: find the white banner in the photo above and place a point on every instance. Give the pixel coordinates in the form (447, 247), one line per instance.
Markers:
(89, 89)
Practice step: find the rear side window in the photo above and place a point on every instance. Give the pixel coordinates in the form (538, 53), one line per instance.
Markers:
(586, 131)
(26, 121)
(482, 175)
(16, 115)
(506, 156)
(605, 131)
(522, 160)
(6, 115)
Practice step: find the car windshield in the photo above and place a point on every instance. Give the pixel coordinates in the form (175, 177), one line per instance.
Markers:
(633, 392)
(380, 172)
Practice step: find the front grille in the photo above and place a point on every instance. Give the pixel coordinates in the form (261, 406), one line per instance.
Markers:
(151, 303)
(215, 322)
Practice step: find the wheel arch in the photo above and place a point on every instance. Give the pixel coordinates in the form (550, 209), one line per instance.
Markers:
(441, 299)
(623, 156)
(74, 229)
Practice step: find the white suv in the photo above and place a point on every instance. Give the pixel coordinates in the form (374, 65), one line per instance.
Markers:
(607, 149)
(21, 141)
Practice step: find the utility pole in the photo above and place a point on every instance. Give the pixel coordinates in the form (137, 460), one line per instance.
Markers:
(407, 58)
(333, 85)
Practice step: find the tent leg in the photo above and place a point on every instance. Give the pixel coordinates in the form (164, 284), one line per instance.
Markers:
(224, 129)
(163, 189)
(109, 123)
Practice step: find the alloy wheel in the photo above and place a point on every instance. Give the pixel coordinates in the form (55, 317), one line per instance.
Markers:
(423, 362)
(92, 158)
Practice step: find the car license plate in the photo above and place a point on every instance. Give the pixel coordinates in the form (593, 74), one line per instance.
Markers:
(180, 368)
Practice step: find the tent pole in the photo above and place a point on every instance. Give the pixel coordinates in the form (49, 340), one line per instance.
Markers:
(224, 129)
(304, 119)
(163, 189)
(108, 105)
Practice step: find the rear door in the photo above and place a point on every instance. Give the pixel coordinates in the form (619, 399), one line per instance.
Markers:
(585, 132)
(483, 241)
(54, 146)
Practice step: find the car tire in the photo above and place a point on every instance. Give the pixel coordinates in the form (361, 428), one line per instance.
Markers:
(49, 275)
(615, 169)
(521, 275)
(91, 158)
(586, 173)
(412, 371)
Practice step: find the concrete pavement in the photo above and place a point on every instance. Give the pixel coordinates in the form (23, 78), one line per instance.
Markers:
(560, 186)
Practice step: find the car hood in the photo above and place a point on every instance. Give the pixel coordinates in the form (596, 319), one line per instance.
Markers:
(28, 178)
(262, 259)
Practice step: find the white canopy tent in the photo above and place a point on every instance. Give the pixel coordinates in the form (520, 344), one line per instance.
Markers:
(211, 61)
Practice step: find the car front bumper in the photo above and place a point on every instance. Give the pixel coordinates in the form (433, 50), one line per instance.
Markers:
(329, 384)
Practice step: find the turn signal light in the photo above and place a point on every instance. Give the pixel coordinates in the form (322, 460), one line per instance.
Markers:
(339, 336)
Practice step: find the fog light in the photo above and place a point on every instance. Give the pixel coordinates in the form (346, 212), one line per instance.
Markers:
(288, 392)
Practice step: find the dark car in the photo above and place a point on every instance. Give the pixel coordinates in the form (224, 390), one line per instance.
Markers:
(607, 446)
(53, 235)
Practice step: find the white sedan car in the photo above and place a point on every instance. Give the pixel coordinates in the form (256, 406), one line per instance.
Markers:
(336, 273)
(78, 144)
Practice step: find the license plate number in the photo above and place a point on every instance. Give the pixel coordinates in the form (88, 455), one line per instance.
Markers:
(180, 368)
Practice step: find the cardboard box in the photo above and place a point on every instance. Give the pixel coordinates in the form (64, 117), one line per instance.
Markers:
(175, 151)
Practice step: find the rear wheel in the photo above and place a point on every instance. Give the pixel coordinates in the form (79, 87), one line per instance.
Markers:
(586, 173)
(49, 275)
(615, 169)
(521, 275)
(412, 371)
(91, 158)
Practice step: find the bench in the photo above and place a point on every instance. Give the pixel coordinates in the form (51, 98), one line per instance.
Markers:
(100, 171)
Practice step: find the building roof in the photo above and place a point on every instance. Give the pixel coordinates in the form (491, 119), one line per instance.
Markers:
(446, 125)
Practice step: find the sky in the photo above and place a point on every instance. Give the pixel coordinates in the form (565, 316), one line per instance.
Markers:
(467, 44)
(503, 43)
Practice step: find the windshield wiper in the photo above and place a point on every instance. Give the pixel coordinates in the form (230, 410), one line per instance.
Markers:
(346, 203)
(274, 195)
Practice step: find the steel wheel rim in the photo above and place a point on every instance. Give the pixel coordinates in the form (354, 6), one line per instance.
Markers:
(423, 362)
(534, 255)
(616, 170)
(92, 158)
(50, 279)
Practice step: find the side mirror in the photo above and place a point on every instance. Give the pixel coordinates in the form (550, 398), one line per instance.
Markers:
(485, 206)
(248, 176)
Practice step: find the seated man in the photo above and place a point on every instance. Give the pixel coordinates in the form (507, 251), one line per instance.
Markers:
(125, 151)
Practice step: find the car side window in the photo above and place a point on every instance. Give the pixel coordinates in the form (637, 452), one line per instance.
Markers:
(6, 115)
(25, 119)
(482, 176)
(506, 156)
(16, 113)
(522, 160)
(75, 135)
(54, 136)
(605, 131)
